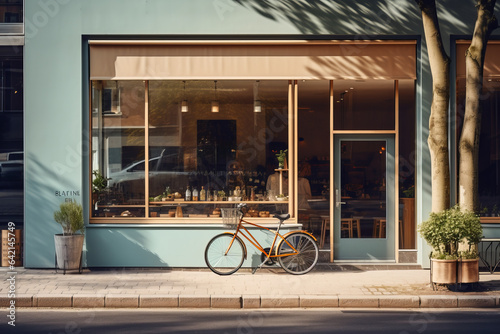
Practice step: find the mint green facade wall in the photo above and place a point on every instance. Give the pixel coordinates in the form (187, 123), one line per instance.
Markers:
(56, 94)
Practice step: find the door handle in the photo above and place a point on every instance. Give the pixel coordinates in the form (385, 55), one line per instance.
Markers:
(337, 202)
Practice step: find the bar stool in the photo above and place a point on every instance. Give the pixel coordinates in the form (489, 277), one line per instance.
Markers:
(350, 225)
(325, 225)
(379, 229)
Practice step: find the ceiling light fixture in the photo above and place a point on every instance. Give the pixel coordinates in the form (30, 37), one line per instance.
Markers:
(215, 102)
(184, 103)
(257, 106)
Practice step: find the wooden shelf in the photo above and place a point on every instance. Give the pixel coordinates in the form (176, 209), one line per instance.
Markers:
(490, 220)
(172, 203)
(122, 206)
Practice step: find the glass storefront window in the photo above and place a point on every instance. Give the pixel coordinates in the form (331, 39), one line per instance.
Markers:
(209, 143)
(11, 11)
(11, 137)
(489, 143)
(407, 164)
(314, 156)
(363, 104)
(118, 139)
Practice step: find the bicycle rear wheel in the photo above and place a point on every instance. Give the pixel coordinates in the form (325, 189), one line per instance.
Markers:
(217, 259)
(306, 257)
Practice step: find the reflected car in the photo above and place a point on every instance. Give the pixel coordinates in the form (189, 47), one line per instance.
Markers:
(11, 170)
(130, 180)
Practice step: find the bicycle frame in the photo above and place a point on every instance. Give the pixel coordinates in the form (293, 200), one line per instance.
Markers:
(240, 229)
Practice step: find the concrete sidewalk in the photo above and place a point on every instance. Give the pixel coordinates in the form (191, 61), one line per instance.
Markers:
(326, 286)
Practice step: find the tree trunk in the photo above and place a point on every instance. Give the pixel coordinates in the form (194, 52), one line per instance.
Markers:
(438, 121)
(469, 139)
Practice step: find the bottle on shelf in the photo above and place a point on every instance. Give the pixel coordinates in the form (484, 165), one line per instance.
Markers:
(188, 194)
(195, 194)
(203, 194)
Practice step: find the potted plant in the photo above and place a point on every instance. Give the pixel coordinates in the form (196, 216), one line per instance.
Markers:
(281, 158)
(99, 182)
(484, 211)
(494, 211)
(69, 244)
(99, 185)
(444, 231)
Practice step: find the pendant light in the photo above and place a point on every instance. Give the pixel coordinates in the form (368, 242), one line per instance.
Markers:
(257, 107)
(215, 102)
(184, 103)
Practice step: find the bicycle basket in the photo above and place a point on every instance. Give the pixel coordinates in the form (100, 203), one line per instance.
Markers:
(230, 217)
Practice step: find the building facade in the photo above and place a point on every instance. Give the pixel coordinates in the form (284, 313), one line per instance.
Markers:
(208, 93)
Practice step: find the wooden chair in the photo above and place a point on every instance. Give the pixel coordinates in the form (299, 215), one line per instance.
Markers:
(351, 225)
(379, 230)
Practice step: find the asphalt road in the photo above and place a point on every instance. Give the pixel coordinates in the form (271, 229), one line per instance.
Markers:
(248, 322)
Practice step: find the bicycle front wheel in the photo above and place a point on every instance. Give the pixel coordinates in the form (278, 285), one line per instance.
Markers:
(218, 260)
(306, 257)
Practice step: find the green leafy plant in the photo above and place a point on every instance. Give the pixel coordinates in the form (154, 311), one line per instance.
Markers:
(494, 210)
(410, 192)
(70, 217)
(446, 229)
(469, 254)
(484, 211)
(281, 157)
(99, 183)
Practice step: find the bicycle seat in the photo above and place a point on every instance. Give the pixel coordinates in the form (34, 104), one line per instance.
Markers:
(282, 217)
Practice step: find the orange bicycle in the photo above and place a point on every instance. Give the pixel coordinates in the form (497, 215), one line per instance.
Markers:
(296, 251)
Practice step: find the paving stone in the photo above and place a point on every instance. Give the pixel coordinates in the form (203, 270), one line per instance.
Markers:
(358, 301)
(50, 300)
(121, 301)
(399, 302)
(226, 301)
(88, 300)
(250, 301)
(279, 301)
(195, 301)
(158, 301)
(438, 301)
(476, 301)
(319, 301)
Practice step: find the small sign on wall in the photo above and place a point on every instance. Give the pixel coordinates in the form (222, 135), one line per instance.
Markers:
(67, 193)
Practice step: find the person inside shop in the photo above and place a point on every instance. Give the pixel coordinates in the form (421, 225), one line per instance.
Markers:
(304, 187)
(273, 185)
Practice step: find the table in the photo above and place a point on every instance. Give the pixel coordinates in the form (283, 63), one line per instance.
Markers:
(491, 255)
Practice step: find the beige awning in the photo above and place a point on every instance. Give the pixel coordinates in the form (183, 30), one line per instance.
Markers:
(251, 60)
(491, 61)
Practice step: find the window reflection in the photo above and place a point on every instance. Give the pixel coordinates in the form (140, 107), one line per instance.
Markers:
(11, 137)
(118, 139)
(11, 11)
(489, 143)
(195, 154)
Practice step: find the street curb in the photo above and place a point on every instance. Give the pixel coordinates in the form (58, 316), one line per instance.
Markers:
(250, 301)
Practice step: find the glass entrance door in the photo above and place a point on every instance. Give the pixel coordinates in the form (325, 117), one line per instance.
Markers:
(364, 198)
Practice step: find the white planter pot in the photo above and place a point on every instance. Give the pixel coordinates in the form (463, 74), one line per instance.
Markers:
(68, 251)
